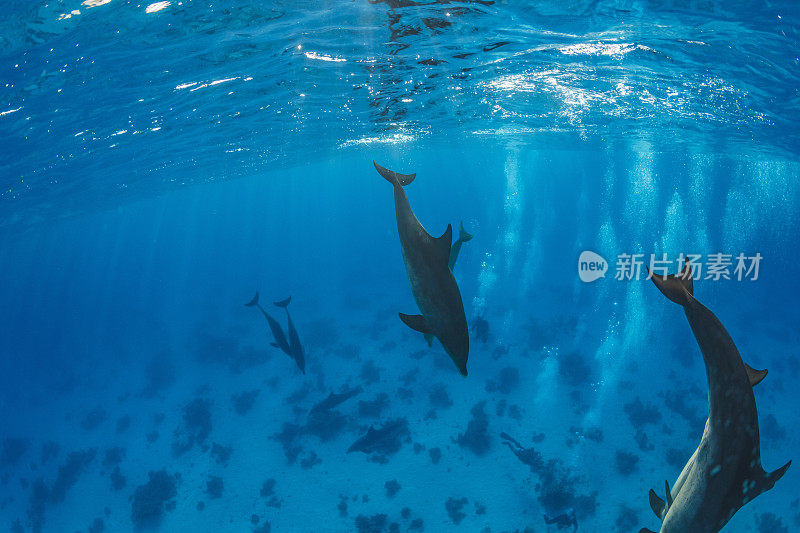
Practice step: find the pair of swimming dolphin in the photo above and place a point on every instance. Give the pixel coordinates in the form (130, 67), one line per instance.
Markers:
(725, 471)
(291, 347)
(428, 265)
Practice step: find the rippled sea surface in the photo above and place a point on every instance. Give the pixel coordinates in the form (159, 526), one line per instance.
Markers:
(161, 162)
(193, 91)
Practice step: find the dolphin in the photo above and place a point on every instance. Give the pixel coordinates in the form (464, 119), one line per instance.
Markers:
(725, 471)
(277, 331)
(432, 282)
(384, 440)
(294, 339)
(334, 400)
(463, 237)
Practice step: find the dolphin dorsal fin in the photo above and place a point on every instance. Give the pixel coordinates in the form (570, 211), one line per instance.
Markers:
(771, 478)
(669, 494)
(755, 376)
(657, 505)
(645, 530)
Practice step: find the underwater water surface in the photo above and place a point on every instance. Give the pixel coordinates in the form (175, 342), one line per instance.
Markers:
(160, 163)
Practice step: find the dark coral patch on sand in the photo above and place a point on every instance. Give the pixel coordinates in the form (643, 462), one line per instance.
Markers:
(243, 402)
(151, 499)
(196, 426)
(476, 437)
(69, 472)
(506, 381)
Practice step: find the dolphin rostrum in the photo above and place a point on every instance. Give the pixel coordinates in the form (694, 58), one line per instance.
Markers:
(277, 331)
(725, 471)
(432, 282)
(294, 339)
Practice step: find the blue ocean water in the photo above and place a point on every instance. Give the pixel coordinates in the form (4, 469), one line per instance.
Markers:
(162, 162)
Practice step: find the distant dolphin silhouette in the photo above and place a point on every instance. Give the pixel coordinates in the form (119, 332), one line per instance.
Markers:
(294, 339)
(384, 440)
(277, 331)
(432, 282)
(725, 471)
(334, 399)
(463, 237)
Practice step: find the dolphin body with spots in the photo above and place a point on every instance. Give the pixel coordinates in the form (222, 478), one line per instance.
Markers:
(725, 471)
(463, 237)
(432, 282)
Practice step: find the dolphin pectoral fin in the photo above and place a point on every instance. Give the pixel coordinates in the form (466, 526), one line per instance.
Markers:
(669, 494)
(393, 177)
(676, 287)
(657, 505)
(416, 322)
(429, 339)
(275, 344)
(755, 375)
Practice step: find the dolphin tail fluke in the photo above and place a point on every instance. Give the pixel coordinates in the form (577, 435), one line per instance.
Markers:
(463, 236)
(393, 177)
(676, 287)
(756, 376)
(252, 302)
(284, 303)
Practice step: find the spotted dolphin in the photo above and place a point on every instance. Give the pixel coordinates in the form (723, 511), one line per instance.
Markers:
(277, 331)
(432, 282)
(384, 440)
(725, 471)
(463, 237)
(334, 399)
(298, 354)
